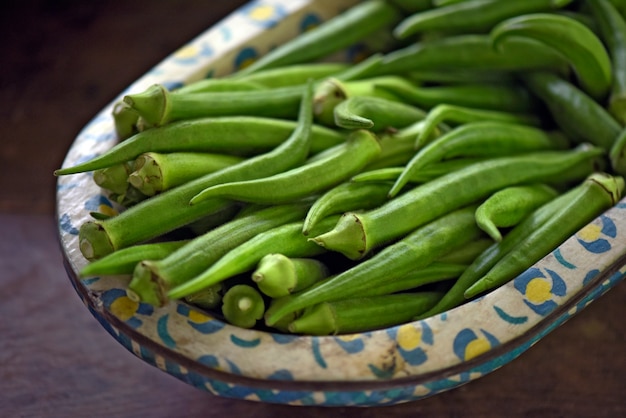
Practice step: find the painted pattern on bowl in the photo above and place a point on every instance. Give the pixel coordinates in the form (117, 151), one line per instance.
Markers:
(398, 364)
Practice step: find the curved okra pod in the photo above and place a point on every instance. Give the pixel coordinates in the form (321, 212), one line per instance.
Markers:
(472, 52)
(503, 97)
(171, 210)
(290, 185)
(286, 239)
(362, 314)
(582, 48)
(460, 115)
(125, 260)
(337, 33)
(158, 106)
(357, 233)
(612, 27)
(345, 197)
(579, 116)
(600, 192)
(479, 139)
(157, 172)
(152, 278)
(375, 113)
(237, 135)
(490, 256)
(332, 91)
(507, 207)
(277, 275)
(473, 16)
(243, 306)
(416, 250)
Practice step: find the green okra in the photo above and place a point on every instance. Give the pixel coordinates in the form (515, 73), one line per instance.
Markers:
(498, 96)
(158, 106)
(362, 314)
(157, 172)
(277, 275)
(332, 91)
(437, 271)
(473, 16)
(208, 298)
(125, 260)
(490, 256)
(414, 251)
(452, 76)
(612, 28)
(125, 120)
(617, 154)
(600, 192)
(467, 254)
(472, 52)
(171, 210)
(337, 33)
(579, 116)
(397, 148)
(430, 172)
(114, 178)
(153, 278)
(507, 207)
(293, 75)
(286, 239)
(219, 85)
(243, 306)
(236, 135)
(356, 234)
(480, 139)
(413, 6)
(582, 48)
(375, 113)
(313, 177)
(348, 196)
(460, 115)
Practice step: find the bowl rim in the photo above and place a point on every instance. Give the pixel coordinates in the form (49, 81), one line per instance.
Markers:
(538, 325)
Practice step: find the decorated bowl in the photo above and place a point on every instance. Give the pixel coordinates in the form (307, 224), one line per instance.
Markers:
(387, 366)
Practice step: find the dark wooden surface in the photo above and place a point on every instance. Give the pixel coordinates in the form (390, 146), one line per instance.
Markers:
(60, 63)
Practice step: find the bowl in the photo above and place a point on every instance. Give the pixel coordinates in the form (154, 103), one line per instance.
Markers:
(388, 366)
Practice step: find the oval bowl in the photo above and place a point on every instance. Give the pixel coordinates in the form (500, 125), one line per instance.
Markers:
(399, 364)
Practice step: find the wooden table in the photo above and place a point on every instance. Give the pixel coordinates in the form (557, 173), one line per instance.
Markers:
(61, 63)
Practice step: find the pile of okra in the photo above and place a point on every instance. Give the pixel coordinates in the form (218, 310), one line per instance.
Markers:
(316, 197)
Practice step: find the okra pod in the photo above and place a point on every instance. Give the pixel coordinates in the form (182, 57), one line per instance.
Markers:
(357, 233)
(600, 192)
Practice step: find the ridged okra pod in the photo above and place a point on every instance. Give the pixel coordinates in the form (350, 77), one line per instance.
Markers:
(599, 192)
(152, 278)
(286, 239)
(416, 250)
(313, 177)
(357, 233)
(171, 210)
(362, 314)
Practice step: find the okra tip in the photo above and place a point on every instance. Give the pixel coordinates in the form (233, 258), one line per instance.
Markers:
(145, 286)
(347, 237)
(93, 241)
(152, 104)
